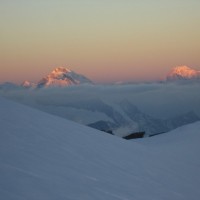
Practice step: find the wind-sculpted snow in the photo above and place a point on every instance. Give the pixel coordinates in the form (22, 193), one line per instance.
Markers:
(44, 157)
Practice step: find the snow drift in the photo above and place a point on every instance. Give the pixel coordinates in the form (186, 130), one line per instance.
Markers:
(47, 157)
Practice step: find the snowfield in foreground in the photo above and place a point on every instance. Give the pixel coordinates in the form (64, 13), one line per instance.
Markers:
(44, 157)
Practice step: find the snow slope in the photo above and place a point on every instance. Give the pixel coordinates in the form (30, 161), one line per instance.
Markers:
(44, 157)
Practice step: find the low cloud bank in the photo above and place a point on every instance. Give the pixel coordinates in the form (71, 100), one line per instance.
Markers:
(161, 100)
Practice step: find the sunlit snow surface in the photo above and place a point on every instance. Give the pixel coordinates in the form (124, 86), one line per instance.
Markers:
(44, 157)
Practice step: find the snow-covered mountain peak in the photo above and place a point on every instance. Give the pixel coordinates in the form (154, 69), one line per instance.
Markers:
(58, 72)
(61, 77)
(183, 73)
(27, 84)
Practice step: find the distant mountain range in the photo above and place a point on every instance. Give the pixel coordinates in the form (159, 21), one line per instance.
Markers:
(63, 77)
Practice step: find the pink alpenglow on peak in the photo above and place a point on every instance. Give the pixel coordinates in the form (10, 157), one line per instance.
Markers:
(62, 77)
(59, 71)
(183, 73)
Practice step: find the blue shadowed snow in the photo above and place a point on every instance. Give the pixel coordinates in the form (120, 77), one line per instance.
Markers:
(44, 157)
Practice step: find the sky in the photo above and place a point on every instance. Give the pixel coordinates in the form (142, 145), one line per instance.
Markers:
(107, 40)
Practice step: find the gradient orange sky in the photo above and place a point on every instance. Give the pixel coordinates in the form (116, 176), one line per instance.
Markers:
(107, 40)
